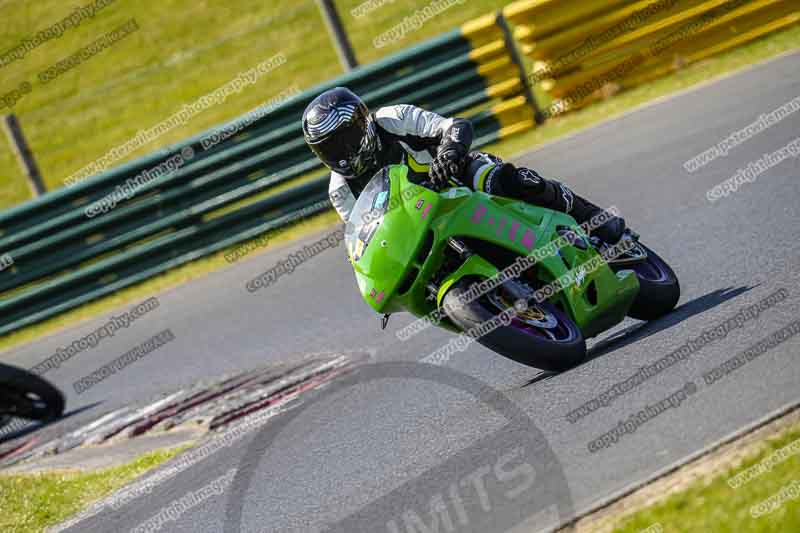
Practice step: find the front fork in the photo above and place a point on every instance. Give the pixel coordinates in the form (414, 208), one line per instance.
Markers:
(471, 265)
(474, 265)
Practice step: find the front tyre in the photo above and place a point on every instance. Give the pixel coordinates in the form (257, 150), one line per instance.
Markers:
(26, 395)
(543, 336)
(659, 290)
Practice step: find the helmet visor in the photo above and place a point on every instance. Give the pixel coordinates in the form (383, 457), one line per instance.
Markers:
(340, 150)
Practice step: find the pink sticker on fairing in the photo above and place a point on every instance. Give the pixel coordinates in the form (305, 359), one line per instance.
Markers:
(375, 295)
(477, 216)
(528, 239)
(500, 227)
(425, 211)
(512, 233)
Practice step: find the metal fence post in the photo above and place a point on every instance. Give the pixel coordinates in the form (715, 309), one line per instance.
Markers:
(24, 154)
(511, 46)
(343, 47)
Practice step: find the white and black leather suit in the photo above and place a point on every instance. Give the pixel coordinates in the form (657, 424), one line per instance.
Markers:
(413, 136)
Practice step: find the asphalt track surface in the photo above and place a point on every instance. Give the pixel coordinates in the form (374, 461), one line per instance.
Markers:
(366, 449)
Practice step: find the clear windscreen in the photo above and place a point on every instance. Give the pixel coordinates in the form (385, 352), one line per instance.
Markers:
(367, 214)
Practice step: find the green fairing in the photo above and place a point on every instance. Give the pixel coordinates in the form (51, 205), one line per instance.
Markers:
(391, 254)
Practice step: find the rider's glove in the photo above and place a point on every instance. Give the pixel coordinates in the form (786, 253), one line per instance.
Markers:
(449, 162)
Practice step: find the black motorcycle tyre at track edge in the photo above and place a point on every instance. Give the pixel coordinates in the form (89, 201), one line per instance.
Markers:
(655, 298)
(21, 382)
(512, 343)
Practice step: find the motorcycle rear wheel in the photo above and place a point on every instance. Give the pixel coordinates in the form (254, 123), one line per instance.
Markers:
(659, 289)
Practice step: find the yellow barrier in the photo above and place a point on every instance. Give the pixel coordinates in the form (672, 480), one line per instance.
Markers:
(676, 43)
(581, 49)
(546, 17)
(494, 53)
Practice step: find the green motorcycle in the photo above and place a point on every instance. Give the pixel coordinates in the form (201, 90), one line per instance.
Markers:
(463, 258)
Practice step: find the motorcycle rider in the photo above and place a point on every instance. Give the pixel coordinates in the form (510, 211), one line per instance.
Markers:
(354, 143)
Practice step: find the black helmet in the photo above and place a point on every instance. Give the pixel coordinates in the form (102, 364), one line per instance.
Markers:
(338, 128)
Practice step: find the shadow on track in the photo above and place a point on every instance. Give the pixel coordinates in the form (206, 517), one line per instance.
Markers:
(642, 330)
(543, 376)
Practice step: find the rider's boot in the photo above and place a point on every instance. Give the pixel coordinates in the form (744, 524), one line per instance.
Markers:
(610, 232)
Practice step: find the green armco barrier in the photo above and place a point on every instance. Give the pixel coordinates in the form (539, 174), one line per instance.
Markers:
(64, 250)
(64, 258)
(127, 223)
(119, 266)
(216, 166)
(154, 264)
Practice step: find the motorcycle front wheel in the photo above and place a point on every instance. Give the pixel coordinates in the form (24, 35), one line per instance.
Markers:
(26, 395)
(541, 336)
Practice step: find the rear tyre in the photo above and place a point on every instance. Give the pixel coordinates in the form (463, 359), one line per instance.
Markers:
(659, 289)
(26, 395)
(542, 336)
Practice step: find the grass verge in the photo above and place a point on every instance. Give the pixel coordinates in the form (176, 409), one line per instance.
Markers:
(32, 502)
(713, 505)
(731, 61)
